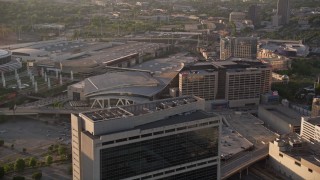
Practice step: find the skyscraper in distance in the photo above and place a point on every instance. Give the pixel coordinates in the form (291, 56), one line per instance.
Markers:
(283, 10)
(254, 14)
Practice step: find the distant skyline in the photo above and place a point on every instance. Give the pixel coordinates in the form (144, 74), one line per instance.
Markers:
(283, 10)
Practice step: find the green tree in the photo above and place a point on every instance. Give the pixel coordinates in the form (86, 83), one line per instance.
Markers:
(1, 172)
(1, 142)
(49, 160)
(317, 89)
(32, 162)
(37, 175)
(61, 150)
(19, 165)
(50, 148)
(8, 167)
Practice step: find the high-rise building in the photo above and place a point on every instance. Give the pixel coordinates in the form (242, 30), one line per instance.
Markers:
(199, 81)
(254, 14)
(238, 47)
(240, 82)
(283, 11)
(245, 86)
(165, 139)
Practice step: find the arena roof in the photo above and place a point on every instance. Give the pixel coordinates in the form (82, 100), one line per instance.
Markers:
(131, 82)
(31, 52)
(142, 81)
(4, 53)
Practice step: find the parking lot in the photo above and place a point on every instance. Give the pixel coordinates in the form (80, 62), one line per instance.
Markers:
(33, 135)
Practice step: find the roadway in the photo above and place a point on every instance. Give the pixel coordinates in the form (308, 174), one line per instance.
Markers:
(242, 162)
(148, 39)
(46, 101)
(36, 111)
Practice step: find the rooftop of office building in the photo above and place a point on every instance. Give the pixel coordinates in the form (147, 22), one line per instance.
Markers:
(234, 64)
(178, 118)
(199, 68)
(239, 63)
(137, 109)
(166, 68)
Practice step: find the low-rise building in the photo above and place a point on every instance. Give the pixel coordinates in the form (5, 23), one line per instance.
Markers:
(295, 158)
(280, 118)
(310, 129)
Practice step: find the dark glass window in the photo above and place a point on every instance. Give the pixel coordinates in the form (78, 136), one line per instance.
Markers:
(141, 157)
(207, 173)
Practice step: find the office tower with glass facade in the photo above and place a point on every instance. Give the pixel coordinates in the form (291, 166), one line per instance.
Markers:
(283, 11)
(254, 14)
(165, 139)
(238, 47)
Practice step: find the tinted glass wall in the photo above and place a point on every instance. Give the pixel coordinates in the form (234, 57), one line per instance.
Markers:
(150, 155)
(207, 173)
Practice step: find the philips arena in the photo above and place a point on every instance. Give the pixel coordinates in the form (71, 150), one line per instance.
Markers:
(6, 63)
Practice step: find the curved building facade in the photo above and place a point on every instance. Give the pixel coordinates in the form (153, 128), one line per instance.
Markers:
(5, 56)
(6, 62)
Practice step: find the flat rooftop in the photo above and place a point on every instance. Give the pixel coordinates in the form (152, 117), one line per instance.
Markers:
(250, 127)
(234, 64)
(315, 121)
(199, 68)
(166, 68)
(176, 119)
(136, 110)
(124, 50)
(232, 143)
(308, 151)
(285, 113)
(237, 63)
(107, 114)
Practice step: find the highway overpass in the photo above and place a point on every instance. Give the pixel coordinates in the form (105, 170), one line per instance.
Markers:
(243, 162)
